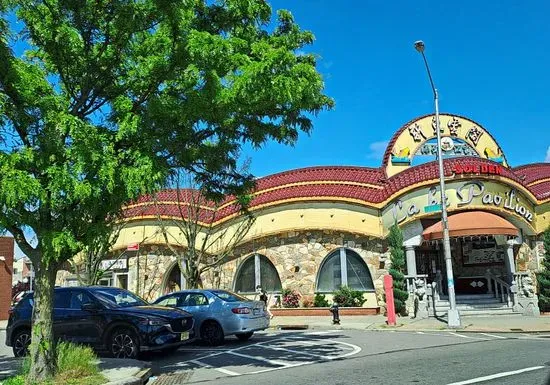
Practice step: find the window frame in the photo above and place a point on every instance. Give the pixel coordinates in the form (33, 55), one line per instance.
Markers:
(257, 275)
(343, 271)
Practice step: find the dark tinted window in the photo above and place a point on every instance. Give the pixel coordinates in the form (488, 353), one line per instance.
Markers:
(79, 298)
(62, 299)
(196, 299)
(113, 297)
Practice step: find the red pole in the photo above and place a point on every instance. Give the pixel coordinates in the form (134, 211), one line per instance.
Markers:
(388, 287)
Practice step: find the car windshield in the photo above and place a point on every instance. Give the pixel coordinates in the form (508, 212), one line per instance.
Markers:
(228, 296)
(117, 298)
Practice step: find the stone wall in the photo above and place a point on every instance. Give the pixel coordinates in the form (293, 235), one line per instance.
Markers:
(297, 256)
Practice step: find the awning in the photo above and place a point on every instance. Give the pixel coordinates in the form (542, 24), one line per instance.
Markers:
(472, 223)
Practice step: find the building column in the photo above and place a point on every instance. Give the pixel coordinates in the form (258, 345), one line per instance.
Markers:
(411, 260)
(509, 261)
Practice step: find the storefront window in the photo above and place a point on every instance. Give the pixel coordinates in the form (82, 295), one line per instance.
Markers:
(257, 270)
(354, 274)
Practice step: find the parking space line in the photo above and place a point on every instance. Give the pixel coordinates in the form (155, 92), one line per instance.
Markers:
(355, 349)
(297, 352)
(221, 370)
(493, 335)
(286, 367)
(498, 375)
(272, 362)
(469, 337)
(304, 341)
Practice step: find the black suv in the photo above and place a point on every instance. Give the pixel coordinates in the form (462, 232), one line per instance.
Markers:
(106, 318)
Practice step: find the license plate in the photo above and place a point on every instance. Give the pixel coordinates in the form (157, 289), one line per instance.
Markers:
(184, 336)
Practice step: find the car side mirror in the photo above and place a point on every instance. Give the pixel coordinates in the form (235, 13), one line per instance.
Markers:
(90, 307)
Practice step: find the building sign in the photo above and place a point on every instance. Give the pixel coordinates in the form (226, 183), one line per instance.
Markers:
(460, 137)
(471, 168)
(133, 247)
(459, 195)
(114, 264)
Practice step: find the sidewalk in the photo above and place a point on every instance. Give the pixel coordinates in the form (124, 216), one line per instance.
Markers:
(500, 324)
(116, 371)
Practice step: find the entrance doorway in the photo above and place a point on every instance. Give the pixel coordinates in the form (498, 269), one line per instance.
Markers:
(174, 280)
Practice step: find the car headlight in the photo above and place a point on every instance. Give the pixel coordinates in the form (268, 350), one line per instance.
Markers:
(155, 322)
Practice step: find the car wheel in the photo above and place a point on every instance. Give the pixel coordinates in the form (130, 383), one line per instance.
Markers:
(124, 343)
(244, 336)
(212, 333)
(21, 343)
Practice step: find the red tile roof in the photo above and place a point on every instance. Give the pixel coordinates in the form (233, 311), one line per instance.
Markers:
(533, 172)
(362, 185)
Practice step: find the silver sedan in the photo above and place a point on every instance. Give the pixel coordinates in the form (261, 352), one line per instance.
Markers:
(219, 313)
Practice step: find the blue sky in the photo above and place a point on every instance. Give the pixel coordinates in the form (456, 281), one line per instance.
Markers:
(489, 63)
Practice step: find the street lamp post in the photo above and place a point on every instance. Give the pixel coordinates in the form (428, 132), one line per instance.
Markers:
(453, 316)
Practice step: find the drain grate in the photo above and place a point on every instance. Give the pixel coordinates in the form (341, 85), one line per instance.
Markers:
(172, 379)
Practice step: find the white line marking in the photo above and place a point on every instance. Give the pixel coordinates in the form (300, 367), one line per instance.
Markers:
(288, 366)
(470, 337)
(420, 333)
(297, 352)
(356, 349)
(272, 362)
(221, 370)
(318, 333)
(498, 375)
(493, 335)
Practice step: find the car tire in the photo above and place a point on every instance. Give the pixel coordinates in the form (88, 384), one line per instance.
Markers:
(212, 333)
(244, 336)
(21, 342)
(123, 343)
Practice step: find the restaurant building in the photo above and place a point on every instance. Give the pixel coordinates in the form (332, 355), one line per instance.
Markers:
(319, 228)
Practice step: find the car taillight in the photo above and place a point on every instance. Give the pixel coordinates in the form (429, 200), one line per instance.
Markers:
(241, 310)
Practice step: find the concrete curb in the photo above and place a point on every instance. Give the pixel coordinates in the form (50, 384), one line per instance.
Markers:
(399, 329)
(139, 379)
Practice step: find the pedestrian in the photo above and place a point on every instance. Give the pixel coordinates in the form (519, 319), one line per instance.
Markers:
(264, 299)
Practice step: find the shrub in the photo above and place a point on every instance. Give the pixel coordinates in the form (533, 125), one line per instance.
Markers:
(320, 301)
(291, 298)
(307, 301)
(76, 365)
(397, 269)
(543, 276)
(347, 297)
(75, 361)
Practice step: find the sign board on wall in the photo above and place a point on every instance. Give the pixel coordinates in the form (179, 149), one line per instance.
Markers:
(114, 264)
(459, 195)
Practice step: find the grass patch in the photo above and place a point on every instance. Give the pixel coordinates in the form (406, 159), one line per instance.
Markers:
(76, 365)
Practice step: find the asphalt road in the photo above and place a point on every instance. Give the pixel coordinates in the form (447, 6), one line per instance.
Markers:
(357, 357)
(360, 357)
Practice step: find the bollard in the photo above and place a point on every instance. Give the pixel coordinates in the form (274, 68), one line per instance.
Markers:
(335, 314)
(388, 288)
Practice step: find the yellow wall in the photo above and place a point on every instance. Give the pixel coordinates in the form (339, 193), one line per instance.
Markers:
(274, 220)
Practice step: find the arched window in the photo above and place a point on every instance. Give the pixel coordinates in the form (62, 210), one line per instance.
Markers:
(344, 267)
(257, 270)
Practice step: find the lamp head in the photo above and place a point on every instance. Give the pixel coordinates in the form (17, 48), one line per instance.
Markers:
(419, 46)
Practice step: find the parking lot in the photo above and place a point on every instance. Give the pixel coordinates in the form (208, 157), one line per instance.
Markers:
(265, 352)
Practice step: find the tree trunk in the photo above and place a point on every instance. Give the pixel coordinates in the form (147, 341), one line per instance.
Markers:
(42, 350)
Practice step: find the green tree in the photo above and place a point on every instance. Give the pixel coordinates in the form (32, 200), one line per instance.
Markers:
(397, 269)
(112, 94)
(201, 243)
(543, 276)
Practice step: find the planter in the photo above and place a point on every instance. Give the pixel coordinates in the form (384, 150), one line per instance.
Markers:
(323, 311)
